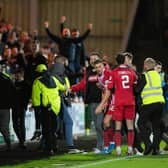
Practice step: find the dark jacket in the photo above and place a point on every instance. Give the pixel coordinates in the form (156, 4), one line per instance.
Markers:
(7, 91)
(89, 86)
(21, 94)
(79, 51)
(93, 93)
(58, 69)
(65, 43)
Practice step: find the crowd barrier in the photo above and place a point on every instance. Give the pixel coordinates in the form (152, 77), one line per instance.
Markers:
(77, 112)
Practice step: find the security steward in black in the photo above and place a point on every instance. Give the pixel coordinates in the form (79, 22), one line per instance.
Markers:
(151, 92)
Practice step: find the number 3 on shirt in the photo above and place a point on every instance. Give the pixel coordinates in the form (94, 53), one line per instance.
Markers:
(125, 81)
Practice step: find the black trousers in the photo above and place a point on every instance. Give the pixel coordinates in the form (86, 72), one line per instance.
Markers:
(49, 126)
(18, 118)
(4, 124)
(151, 114)
(37, 119)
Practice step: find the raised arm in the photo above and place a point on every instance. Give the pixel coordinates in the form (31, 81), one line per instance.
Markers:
(62, 21)
(53, 37)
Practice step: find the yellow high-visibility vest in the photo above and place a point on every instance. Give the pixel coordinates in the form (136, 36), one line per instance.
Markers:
(67, 82)
(152, 92)
(43, 96)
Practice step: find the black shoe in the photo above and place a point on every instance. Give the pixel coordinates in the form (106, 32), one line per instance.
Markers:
(22, 145)
(139, 148)
(70, 147)
(166, 147)
(148, 150)
(156, 152)
(165, 137)
(8, 149)
(55, 149)
(36, 136)
(49, 152)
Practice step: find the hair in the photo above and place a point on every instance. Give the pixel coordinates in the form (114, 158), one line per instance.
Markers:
(45, 46)
(74, 30)
(120, 58)
(98, 62)
(158, 62)
(60, 59)
(28, 46)
(95, 53)
(150, 62)
(128, 54)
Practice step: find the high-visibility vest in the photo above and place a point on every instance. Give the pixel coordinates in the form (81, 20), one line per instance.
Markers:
(152, 92)
(67, 82)
(44, 96)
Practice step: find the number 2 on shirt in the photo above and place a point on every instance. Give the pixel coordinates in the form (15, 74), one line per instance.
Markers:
(125, 81)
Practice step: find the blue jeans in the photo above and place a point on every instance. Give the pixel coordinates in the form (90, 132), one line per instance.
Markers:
(72, 57)
(68, 123)
(98, 122)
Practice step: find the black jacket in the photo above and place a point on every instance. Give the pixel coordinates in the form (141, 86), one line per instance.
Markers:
(93, 93)
(64, 44)
(7, 91)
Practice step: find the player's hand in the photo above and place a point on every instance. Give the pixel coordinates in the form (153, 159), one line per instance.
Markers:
(99, 85)
(68, 91)
(99, 109)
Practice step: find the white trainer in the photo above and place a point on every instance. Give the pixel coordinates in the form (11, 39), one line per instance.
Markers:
(96, 151)
(130, 150)
(137, 153)
(118, 150)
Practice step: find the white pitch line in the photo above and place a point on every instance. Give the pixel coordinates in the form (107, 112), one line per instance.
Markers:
(105, 161)
(58, 164)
